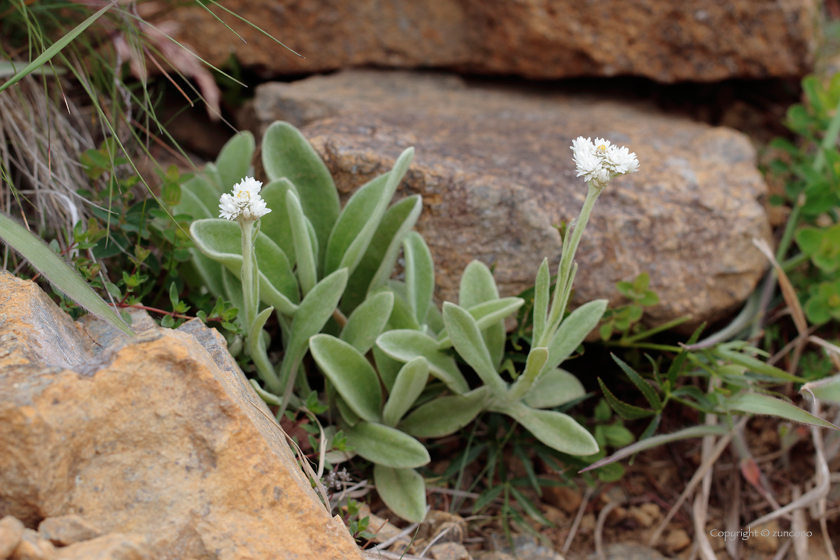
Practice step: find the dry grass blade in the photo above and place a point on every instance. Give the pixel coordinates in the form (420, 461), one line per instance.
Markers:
(701, 500)
(599, 529)
(40, 146)
(585, 502)
(799, 525)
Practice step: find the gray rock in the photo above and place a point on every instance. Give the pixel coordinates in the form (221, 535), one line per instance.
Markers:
(496, 175)
(525, 547)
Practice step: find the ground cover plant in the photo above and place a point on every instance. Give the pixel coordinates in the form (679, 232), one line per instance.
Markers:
(330, 309)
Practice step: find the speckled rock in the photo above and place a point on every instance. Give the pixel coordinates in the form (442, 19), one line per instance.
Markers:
(698, 40)
(496, 175)
(65, 530)
(449, 551)
(158, 435)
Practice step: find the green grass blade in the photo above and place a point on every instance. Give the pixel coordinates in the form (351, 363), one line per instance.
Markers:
(54, 49)
(57, 271)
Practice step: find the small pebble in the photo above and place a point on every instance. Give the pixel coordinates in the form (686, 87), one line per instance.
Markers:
(67, 529)
(677, 540)
(33, 546)
(11, 531)
(449, 551)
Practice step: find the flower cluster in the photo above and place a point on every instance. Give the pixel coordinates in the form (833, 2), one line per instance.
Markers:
(600, 161)
(244, 201)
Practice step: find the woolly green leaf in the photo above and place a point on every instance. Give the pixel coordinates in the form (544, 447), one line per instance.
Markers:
(541, 297)
(387, 367)
(276, 224)
(234, 161)
(573, 330)
(445, 415)
(467, 340)
(478, 287)
(306, 259)
(537, 358)
(756, 403)
(410, 382)
(233, 293)
(401, 315)
(358, 222)
(404, 345)
(221, 241)
(402, 490)
(386, 446)
(350, 373)
(346, 412)
(314, 312)
(377, 264)
(554, 388)
(486, 315)
(368, 321)
(555, 429)
(198, 199)
(286, 153)
(419, 274)
(61, 275)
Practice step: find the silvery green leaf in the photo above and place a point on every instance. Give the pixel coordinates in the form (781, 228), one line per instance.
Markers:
(276, 224)
(434, 319)
(346, 412)
(401, 315)
(202, 271)
(537, 358)
(827, 389)
(555, 429)
(211, 172)
(233, 293)
(368, 321)
(404, 345)
(445, 415)
(376, 266)
(256, 348)
(573, 330)
(386, 446)
(542, 293)
(358, 222)
(554, 388)
(410, 382)
(486, 315)
(419, 274)
(61, 275)
(220, 240)
(387, 367)
(755, 403)
(350, 373)
(467, 340)
(234, 161)
(306, 259)
(402, 490)
(478, 286)
(286, 153)
(312, 314)
(198, 199)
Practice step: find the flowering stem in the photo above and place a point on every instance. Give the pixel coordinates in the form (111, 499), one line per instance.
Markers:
(248, 273)
(565, 276)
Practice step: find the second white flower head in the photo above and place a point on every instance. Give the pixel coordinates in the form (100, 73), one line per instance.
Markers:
(598, 162)
(243, 201)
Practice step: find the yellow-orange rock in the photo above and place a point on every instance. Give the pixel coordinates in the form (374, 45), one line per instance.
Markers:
(158, 435)
(116, 546)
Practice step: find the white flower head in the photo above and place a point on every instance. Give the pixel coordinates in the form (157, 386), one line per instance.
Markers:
(243, 201)
(598, 162)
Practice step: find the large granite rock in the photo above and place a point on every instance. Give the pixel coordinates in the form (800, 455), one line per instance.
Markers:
(158, 436)
(496, 175)
(668, 41)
